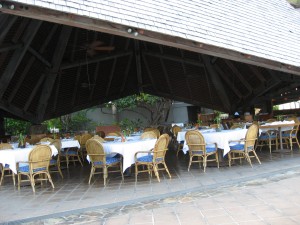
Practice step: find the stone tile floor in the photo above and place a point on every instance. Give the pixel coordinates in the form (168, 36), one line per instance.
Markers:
(264, 194)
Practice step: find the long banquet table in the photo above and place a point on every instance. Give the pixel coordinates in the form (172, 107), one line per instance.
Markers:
(13, 156)
(222, 138)
(128, 149)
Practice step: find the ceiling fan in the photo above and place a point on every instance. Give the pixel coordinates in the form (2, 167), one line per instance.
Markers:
(95, 46)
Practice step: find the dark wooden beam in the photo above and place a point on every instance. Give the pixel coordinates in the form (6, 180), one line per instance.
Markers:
(5, 24)
(33, 92)
(57, 92)
(149, 72)
(175, 58)
(95, 59)
(165, 72)
(218, 84)
(76, 86)
(10, 47)
(239, 75)
(30, 63)
(137, 54)
(185, 75)
(51, 75)
(111, 75)
(257, 73)
(17, 111)
(39, 57)
(126, 74)
(228, 82)
(18, 56)
(96, 74)
(146, 35)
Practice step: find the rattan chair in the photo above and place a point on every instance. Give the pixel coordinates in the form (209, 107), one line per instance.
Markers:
(114, 134)
(153, 159)
(155, 130)
(245, 147)
(47, 139)
(100, 160)
(269, 138)
(55, 161)
(290, 136)
(98, 138)
(83, 140)
(214, 125)
(200, 150)
(5, 168)
(148, 134)
(271, 120)
(175, 130)
(37, 166)
(71, 154)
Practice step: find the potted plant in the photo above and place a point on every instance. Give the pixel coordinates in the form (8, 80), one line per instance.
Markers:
(218, 120)
(21, 141)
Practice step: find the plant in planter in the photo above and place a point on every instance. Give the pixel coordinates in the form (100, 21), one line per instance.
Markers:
(21, 141)
(218, 120)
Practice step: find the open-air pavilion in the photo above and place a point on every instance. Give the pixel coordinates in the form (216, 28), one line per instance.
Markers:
(61, 56)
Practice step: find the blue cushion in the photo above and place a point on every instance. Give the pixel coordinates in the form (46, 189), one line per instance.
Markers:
(6, 166)
(53, 161)
(266, 137)
(70, 152)
(148, 158)
(26, 169)
(288, 135)
(240, 147)
(208, 150)
(109, 160)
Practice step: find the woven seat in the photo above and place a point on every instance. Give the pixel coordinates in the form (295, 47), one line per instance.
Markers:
(5, 170)
(55, 161)
(99, 160)
(154, 158)
(37, 166)
(155, 130)
(200, 150)
(243, 151)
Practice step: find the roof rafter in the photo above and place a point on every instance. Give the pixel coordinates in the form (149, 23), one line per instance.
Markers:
(52, 74)
(18, 55)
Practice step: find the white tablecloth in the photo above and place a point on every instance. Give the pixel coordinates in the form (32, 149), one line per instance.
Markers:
(221, 138)
(12, 156)
(69, 143)
(278, 124)
(128, 149)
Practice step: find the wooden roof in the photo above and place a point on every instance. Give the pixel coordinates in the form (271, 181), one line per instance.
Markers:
(57, 57)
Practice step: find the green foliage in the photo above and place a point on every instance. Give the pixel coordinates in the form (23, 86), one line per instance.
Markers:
(275, 107)
(128, 126)
(217, 118)
(16, 127)
(56, 122)
(133, 101)
(80, 121)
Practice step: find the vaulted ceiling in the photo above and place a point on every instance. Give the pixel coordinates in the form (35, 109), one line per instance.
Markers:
(49, 69)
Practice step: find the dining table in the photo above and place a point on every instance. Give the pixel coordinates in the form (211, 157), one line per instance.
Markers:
(128, 148)
(278, 125)
(12, 156)
(222, 138)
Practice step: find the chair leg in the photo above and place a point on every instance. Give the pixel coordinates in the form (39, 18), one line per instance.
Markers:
(2, 175)
(248, 159)
(104, 175)
(204, 159)
(229, 159)
(19, 181)
(256, 157)
(50, 179)
(156, 172)
(167, 169)
(32, 183)
(190, 162)
(217, 159)
(91, 174)
(79, 161)
(136, 171)
(13, 177)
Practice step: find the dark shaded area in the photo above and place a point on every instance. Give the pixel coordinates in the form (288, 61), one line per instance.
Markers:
(48, 70)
